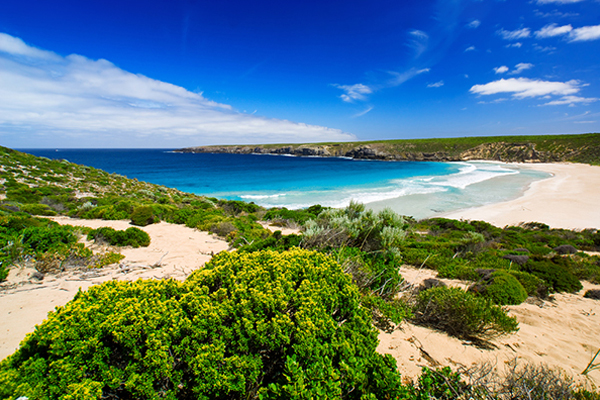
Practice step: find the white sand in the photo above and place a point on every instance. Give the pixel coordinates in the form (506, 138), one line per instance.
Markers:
(26, 303)
(562, 333)
(569, 199)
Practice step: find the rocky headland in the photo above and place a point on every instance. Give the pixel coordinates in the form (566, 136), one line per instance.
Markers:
(538, 149)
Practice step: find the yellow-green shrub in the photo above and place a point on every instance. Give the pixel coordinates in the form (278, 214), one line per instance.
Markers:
(254, 325)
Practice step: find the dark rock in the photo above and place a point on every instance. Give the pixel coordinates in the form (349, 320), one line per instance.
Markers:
(592, 294)
(565, 249)
(521, 260)
(485, 274)
(38, 276)
(431, 283)
(522, 250)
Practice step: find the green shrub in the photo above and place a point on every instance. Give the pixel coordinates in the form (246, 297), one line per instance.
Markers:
(142, 216)
(558, 278)
(3, 269)
(262, 325)
(533, 285)
(38, 209)
(462, 314)
(504, 289)
(42, 239)
(133, 237)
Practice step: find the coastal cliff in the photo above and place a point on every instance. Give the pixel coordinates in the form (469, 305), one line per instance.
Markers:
(552, 148)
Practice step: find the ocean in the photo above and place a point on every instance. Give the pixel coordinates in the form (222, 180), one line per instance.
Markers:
(418, 189)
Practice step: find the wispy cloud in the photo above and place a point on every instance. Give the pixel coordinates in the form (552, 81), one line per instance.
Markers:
(553, 30)
(474, 24)
(520, 67)
(558, 1)
(555, 14)
(398, 78)
(517, 45)
(571, 101)
(514, 35)
(470, 48)
(360, 114)
(501, 70)
(436, 84)
(523, 88)
(585, 33)
(77, 102)
(354, 92)
(418, 41)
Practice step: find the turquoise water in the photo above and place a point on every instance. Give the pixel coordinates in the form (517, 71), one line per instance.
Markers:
(420, 189)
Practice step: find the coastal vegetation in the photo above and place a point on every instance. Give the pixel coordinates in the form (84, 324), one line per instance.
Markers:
(583, 148)
(282, 316)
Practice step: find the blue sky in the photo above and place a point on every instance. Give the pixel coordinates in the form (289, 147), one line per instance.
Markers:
(183, 73)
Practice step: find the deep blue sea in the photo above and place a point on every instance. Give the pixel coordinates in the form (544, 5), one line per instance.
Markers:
(420, 189)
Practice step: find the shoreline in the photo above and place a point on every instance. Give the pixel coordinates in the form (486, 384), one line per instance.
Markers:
(568, 199)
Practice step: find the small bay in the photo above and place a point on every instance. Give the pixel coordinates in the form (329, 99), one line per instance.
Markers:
(419, 189)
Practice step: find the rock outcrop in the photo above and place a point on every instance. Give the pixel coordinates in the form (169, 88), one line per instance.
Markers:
(507, 149)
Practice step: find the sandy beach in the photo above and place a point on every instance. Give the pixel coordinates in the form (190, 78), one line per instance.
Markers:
(560, 332)
(569, 199)
(174, 252)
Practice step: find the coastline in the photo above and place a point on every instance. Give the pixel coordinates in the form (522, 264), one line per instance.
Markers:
(568, 199)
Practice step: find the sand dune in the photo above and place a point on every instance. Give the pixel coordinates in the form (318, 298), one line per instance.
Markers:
(561, 333)
(174, 252)
(569, 199)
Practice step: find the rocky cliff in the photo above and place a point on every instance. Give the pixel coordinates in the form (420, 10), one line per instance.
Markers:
(579, 148)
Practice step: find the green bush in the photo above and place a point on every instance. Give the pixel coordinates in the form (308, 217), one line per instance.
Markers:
(38, 209)
(142, 216)
(558, 278)
(504, 289)
(533, 285)
(133, 237)
(3, 269)
(263, 325)
(42, 239)
(462, 314)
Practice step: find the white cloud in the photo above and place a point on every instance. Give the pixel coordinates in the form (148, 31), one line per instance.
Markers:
(553, 30)
(517, 45)
(558, 1)
(514, 35)
(501, 70)
(354, 92)
(400, 77)
(585, 33)
(436, 84)
(523, 87)
(418, 41)
(470, 48)
(520, 67)
(360, 114)
(74, 101)
(571, 100)
(474, 24)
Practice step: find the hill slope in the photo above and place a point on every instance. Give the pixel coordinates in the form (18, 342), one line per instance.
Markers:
(583, 148)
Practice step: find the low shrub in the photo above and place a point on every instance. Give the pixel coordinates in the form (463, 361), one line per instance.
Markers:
(462, 314)
(533, 285)
(3, 269)
(42, 238)
(558, 278)
(503, 289)
(38, 209)
(262, 325)
(142, 216)
(133, 237)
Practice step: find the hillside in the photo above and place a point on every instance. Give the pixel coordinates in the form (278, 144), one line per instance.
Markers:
(583, 148)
